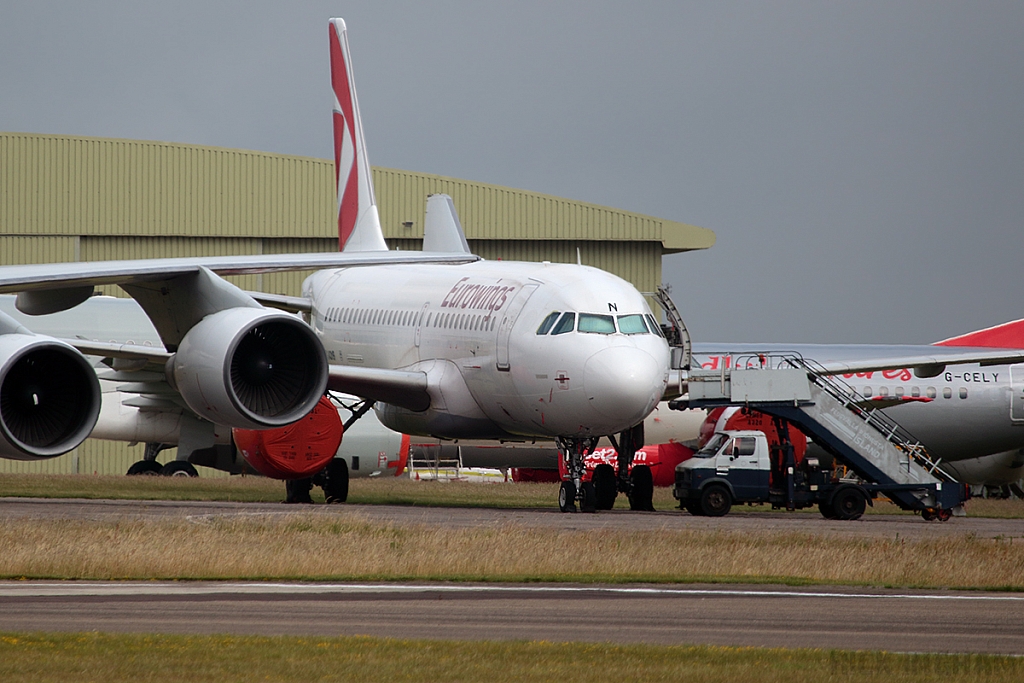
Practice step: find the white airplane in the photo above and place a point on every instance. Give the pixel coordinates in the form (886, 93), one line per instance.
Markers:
(440, 342)
(445, 344)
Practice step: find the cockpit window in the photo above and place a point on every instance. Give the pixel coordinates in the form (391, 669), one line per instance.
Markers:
(545, 326)
(632, 324)
(565, 324)
(597, 324)
(655, 327)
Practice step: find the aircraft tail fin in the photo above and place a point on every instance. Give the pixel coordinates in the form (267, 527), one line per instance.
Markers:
(442, 231)
(358, 221)
(1006, 336)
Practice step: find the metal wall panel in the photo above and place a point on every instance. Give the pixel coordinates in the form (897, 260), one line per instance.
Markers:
(30, 249)
(58, 185)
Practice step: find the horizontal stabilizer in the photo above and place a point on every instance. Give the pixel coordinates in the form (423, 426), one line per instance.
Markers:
(442, 231)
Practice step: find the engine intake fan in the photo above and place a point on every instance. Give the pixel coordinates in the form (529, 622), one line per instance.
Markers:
(49, 397)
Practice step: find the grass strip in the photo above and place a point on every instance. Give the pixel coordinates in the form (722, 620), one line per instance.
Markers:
(86, 657)
(377, 491)
(349, 546)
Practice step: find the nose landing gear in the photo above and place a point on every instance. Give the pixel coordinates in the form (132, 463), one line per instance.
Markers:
(573, 450)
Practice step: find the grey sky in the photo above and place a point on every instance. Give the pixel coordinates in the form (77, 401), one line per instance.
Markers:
(862, 164)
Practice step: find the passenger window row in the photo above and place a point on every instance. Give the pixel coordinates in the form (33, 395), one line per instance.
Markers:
(899, 392)
(376, 316)
(557, 322)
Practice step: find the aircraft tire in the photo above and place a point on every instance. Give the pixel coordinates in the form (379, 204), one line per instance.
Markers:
(567, 497)
(144, 467)
(848, 503)
(588, 497)
(605, 486)
(179, 468)
(641, 495)
(335, 483)
(297, 491)
(715, 501)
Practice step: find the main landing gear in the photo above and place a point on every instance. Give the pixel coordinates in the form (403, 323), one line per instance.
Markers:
(149, 465)
(333, 478)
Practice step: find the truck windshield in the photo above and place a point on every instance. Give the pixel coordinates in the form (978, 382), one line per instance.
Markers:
(711, 447)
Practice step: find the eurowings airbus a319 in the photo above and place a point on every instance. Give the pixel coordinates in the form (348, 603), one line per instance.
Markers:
(439, 342)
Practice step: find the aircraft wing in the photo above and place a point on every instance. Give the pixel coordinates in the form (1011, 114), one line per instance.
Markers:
(927, 365)
(23, 278)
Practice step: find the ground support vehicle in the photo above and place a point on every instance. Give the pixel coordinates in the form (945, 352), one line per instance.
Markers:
(885, 459)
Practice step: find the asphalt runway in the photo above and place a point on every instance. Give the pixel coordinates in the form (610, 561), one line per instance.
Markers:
(851, 619)
(890, 526)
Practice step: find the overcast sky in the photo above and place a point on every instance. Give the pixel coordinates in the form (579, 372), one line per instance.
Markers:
(862, 164)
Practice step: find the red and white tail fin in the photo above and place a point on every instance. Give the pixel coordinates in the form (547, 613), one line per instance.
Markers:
(1006, 336)
(358, 220)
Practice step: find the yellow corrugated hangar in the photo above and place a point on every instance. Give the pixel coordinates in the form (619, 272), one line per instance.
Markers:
(68, 198)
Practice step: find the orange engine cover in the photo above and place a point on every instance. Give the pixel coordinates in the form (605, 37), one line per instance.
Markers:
(298, 450)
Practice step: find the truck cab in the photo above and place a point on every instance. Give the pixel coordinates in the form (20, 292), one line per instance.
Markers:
(736, 463)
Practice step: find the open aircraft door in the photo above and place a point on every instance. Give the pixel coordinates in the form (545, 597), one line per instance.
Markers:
(1017, 393)
(508, 320)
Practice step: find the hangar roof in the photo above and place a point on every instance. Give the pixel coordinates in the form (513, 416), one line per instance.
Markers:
(64, 185)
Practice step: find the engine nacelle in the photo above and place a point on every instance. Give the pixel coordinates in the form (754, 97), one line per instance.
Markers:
(49, 397)
(251, 368)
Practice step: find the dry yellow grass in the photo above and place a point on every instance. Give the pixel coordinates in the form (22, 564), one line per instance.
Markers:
(309, 546)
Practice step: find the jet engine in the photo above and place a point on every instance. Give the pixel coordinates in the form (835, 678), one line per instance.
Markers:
(250, 368)
(49, 397)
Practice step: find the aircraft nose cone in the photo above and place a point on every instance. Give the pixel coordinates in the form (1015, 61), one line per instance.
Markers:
(623, 383)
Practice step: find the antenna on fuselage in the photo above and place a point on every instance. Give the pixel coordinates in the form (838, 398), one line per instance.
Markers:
(579, 261)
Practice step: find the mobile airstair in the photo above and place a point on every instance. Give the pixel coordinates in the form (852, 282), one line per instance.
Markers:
(866, 440)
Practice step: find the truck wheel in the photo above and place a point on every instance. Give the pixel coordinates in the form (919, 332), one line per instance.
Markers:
(693, 509)
(605, 486)
(825, 508)
(848, 503)
(567, 497)
(715, 501)
(588, 497)
(641, 496)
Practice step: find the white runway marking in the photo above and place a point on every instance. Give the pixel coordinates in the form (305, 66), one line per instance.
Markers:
(81, 589)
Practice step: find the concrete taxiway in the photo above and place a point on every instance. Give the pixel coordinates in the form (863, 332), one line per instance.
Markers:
(843, 618)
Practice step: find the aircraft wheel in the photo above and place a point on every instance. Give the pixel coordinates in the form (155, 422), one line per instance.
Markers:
(848, 504)
(588, 497)
(825, 508)
(715, 501)
(335, 483)
(605, 486)
(641, 495)
(567, 497)
(179, 468)
(145, 467)
(297, 490)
